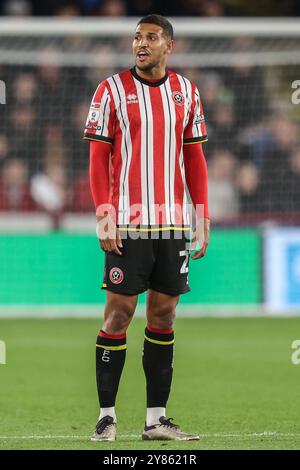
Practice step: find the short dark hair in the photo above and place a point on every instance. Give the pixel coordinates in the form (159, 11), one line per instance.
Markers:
(159, 21)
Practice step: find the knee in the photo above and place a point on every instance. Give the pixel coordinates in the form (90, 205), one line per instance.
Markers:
(118, 319)
(162, 317)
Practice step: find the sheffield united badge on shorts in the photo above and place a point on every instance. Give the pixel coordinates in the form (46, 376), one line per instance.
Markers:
(116, 275)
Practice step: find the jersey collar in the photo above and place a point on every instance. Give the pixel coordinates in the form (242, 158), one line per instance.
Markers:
(147, 82)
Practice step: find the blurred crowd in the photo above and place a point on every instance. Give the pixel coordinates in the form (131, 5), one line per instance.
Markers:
(206, 8)
(253, 152)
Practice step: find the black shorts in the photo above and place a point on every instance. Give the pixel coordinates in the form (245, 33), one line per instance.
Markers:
(160, 264)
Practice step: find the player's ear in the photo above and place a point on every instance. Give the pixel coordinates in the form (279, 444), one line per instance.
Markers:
(170, 45)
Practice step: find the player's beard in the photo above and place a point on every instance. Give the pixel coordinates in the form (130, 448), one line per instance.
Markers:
(147, 67)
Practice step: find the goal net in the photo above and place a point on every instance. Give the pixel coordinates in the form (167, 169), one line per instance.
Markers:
(248, 75)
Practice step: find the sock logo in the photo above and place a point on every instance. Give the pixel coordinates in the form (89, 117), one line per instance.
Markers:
(106, 355)
(116, 275)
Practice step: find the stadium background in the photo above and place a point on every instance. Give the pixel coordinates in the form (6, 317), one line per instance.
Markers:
(51, 264)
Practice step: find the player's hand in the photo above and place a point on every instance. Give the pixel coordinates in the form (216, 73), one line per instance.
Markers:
(109, 235)
(201, 234)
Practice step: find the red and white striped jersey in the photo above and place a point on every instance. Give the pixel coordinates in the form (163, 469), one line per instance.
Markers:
(147, 123)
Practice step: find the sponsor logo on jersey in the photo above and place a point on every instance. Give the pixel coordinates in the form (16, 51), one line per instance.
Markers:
(94, 128)
(132, 98)
(178, 97)
(94, 115)
(199, 118)
(116, 275)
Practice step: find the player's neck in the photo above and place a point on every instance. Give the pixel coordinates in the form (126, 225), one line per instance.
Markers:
(157, 73)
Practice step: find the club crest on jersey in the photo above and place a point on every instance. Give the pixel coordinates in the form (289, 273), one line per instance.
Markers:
(116, 275)
(132, 98)
(178, 97)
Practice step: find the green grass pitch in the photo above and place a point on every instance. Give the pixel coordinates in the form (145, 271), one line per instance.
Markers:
(234, 384)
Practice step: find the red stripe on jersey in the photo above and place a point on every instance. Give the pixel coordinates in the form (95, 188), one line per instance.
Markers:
(158, 145)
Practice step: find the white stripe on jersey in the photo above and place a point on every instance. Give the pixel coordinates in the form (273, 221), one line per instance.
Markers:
(197, 126)
(104, 120)
(147, 168)
(148, 107)
(186, 90)
(126, 147)
(170, 146)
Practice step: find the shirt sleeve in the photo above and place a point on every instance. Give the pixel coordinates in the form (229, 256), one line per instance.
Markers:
(196, 176)
(100, 121)
(195, 130)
